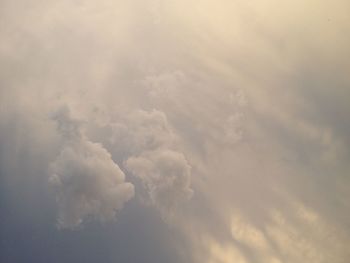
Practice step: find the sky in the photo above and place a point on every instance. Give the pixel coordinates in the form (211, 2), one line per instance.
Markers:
(195, 131)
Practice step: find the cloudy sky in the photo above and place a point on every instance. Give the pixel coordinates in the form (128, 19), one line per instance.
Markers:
(180, 131)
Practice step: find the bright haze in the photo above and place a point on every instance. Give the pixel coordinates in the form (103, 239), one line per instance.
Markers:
(174, 131)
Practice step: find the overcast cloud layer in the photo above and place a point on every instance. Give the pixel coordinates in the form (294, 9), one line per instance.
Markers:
(175, 131)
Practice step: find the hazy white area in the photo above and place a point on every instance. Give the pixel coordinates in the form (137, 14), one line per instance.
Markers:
(230, 119)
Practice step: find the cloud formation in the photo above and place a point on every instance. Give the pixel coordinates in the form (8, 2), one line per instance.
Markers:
(166, 175)
(86, 181)
(236, 112)
(147, 143)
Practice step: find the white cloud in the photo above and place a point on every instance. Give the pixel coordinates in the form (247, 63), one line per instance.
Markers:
(228, 99)
(142, 131)
(166, 175)
(149, 147)
(86, 181)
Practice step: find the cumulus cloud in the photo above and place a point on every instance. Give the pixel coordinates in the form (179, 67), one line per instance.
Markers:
(142, 131)
(147, 143)
(166, 176)
(244, 103)
(86, 181)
